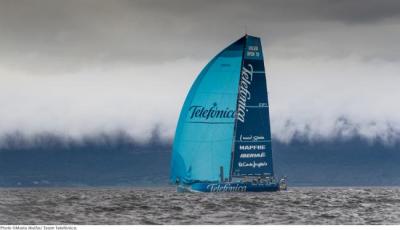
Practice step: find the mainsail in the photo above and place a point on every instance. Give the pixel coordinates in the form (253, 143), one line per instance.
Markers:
(224, 122)
(252, 152)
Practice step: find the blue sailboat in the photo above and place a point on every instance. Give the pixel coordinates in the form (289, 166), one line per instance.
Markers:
(223, 139)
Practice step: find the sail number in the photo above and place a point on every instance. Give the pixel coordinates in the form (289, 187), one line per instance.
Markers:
(252, 51)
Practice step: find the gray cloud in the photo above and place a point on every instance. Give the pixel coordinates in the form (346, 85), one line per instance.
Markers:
(74, 34)
(84, 67)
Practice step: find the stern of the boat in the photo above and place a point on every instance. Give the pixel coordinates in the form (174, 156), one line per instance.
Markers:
(282, 184)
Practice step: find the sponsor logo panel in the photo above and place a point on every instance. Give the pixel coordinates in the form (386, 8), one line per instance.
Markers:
(199, 112)
(226, 188)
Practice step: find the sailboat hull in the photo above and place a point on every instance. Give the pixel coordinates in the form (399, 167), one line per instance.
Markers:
(229, 187)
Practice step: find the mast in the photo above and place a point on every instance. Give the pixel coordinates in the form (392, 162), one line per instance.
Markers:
(237, 96)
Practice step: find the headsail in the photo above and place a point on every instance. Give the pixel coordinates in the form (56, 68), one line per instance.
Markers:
(203, 138)
(252, 152)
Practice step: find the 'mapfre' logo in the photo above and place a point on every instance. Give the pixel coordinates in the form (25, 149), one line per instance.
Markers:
(244, 93)
(198, 111)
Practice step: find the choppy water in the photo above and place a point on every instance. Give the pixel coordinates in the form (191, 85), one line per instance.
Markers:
(165, 206)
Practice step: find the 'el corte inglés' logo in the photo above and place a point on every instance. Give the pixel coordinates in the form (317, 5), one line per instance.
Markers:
(244, 93)
(253, 164)
(212, 112)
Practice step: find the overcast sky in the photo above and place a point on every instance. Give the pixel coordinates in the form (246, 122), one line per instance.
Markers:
(78, 68)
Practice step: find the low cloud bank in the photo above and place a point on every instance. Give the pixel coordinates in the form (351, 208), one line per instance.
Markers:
(312, 99)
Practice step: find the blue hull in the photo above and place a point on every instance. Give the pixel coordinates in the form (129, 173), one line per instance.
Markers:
(229, 187)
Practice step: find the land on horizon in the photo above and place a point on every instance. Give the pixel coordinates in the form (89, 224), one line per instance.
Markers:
(124, 162)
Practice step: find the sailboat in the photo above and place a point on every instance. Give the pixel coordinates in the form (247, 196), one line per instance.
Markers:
(223, 138)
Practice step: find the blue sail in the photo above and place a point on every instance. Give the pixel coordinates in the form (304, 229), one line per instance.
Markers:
(252, 151)
(204, 134)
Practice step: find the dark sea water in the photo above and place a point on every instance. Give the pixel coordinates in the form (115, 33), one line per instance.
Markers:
(165, 206)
